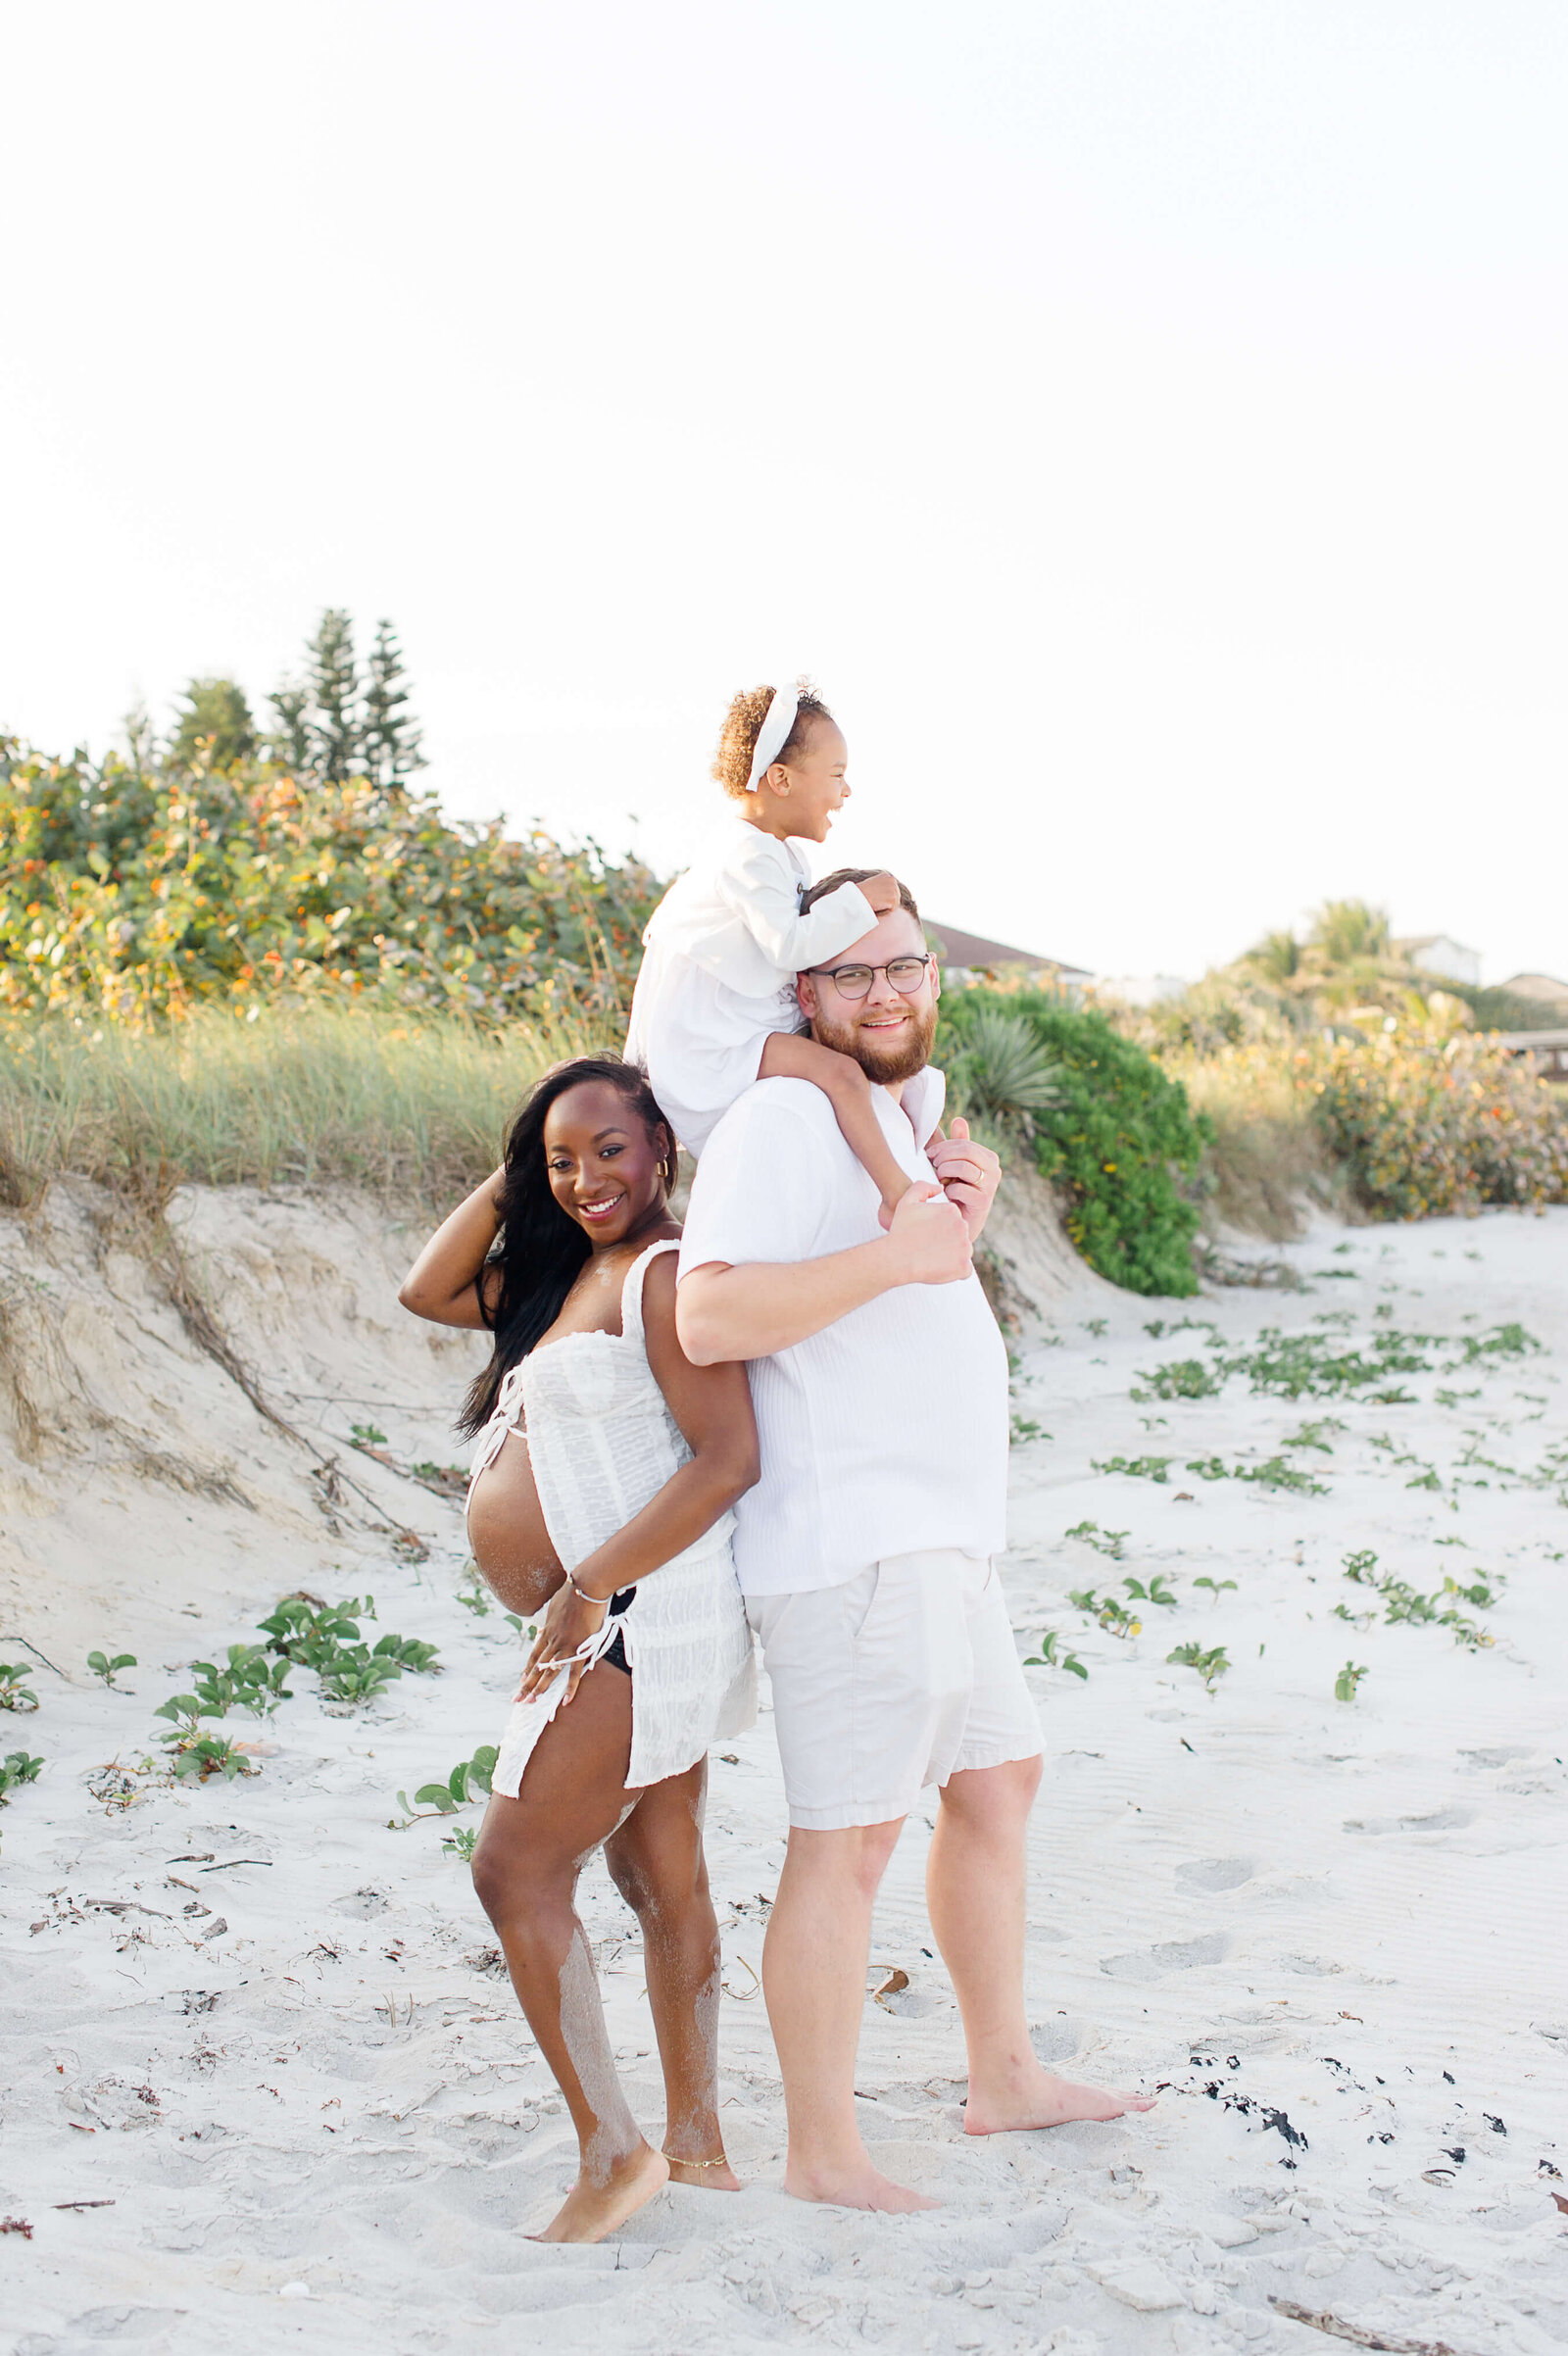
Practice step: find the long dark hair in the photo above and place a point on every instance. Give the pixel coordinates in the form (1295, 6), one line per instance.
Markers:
(541, 1249)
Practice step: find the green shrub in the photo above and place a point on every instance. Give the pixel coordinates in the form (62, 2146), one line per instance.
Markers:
(1427, 1128)
(134, 892)
(1113, 1140)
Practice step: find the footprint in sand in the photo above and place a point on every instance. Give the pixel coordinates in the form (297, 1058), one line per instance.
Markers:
(1167, 1956)
(1216, 1873)
(1442, 1820)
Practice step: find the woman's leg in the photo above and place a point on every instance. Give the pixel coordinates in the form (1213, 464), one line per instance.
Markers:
(525, 1868)
(658, 1867)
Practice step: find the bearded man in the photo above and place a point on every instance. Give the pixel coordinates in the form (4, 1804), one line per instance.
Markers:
(865, 1549)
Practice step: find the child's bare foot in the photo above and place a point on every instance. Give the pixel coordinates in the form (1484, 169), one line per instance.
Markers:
(859, 2185)
(707, 2175)
(591, 2210)
(1041, 2100)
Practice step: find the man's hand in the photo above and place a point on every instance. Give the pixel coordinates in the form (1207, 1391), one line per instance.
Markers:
(969, 1175)
(930, 1237)
(882, 891)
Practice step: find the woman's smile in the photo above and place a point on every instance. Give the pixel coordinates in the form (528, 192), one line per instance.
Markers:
(601, 1211)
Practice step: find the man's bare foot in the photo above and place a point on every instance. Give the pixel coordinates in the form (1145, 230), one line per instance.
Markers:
(858, 2186)
(708, 2176)
(1045, 2101)
(590, 2210)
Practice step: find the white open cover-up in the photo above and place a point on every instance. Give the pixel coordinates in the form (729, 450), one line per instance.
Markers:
(603, 1442)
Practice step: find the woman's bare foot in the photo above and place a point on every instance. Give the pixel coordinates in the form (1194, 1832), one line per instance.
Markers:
(1040, 2100)
(708, 2176)
(591, 2210)
(856, 2187)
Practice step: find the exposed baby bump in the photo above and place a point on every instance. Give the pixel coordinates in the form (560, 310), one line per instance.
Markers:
(507, 1531)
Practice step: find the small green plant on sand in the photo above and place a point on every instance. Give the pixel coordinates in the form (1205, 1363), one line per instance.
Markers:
(468, 1778)
(1312, 1434)
(472, 1593)
(1021, 1429)
(17, 1769)
(462, 1842)
(1181, 1378)
(368, 1435)
(101, 1666)
(1157, 1591)
(247, 1677)
(1216, 1586)
(1052, 1654)
(211, 1755)
(1348, 1680)
(1210, 1664)
(1273, 1473)
(13, 1693)
(1109, 1613)
(1403, 1603)
(1137, 1468)
(1110, 1543)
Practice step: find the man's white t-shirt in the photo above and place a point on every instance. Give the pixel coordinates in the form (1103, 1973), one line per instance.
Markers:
(887, 1432)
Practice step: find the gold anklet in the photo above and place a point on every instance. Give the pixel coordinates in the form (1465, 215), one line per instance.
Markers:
(674, 2156)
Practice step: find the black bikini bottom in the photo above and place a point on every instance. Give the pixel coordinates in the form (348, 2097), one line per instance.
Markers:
(615, 1655)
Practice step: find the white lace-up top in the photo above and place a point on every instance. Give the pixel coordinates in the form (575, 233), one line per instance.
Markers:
(603, 1442)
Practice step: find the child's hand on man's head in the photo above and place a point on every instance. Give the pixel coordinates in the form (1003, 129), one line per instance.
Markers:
(882, 891)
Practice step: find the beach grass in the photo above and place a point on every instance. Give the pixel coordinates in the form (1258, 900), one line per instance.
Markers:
(1265, 1161)
(412, 1110)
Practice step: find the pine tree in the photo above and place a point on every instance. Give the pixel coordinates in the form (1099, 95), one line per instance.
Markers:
(336, 739)
(215, 708)
(290, 740)
(142, 743)
(391, 738)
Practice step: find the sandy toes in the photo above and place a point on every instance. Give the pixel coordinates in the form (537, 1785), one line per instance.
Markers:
(591, 2211)
(1050, 2103)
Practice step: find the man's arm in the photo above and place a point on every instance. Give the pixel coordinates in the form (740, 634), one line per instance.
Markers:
(754, 1308)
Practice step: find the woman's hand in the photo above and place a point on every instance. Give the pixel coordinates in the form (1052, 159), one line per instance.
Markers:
(570, 1620)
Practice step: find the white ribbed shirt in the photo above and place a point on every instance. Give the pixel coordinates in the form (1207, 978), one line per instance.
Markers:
(887, 1432)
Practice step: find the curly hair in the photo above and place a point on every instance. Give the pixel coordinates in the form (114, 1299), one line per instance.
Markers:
(742, 725)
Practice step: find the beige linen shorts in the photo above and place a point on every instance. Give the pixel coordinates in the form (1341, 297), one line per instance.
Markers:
(897, 1678)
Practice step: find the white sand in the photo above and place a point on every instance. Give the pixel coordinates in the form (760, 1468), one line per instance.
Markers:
(319, 2116)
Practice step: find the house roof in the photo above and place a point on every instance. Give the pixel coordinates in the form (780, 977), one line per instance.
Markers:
(1536, 985)
(975, 950)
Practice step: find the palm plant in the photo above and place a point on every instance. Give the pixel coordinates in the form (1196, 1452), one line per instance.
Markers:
(1004, 1074)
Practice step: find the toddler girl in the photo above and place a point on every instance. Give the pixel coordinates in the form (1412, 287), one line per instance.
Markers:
(715, 1006)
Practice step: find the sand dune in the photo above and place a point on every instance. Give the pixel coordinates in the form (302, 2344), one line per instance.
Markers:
(269, 2031)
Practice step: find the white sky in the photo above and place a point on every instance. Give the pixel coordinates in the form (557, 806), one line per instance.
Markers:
(1146, 419)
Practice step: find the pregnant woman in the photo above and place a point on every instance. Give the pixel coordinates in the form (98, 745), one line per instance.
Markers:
(601, 1498)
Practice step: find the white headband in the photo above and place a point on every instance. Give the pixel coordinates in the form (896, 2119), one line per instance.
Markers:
(774, 733)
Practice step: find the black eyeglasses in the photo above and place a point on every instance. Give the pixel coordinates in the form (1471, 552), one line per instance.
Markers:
(905, 975)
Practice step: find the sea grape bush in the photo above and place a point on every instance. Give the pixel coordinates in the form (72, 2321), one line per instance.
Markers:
(1426, 1128)
(133, 894)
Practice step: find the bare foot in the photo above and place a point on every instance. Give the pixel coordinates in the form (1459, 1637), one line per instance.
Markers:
(591, 2210)
(1045, 2101)
(859, 2186)
(708, 2176)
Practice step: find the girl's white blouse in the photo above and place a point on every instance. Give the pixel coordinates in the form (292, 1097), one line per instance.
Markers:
(719, 959)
